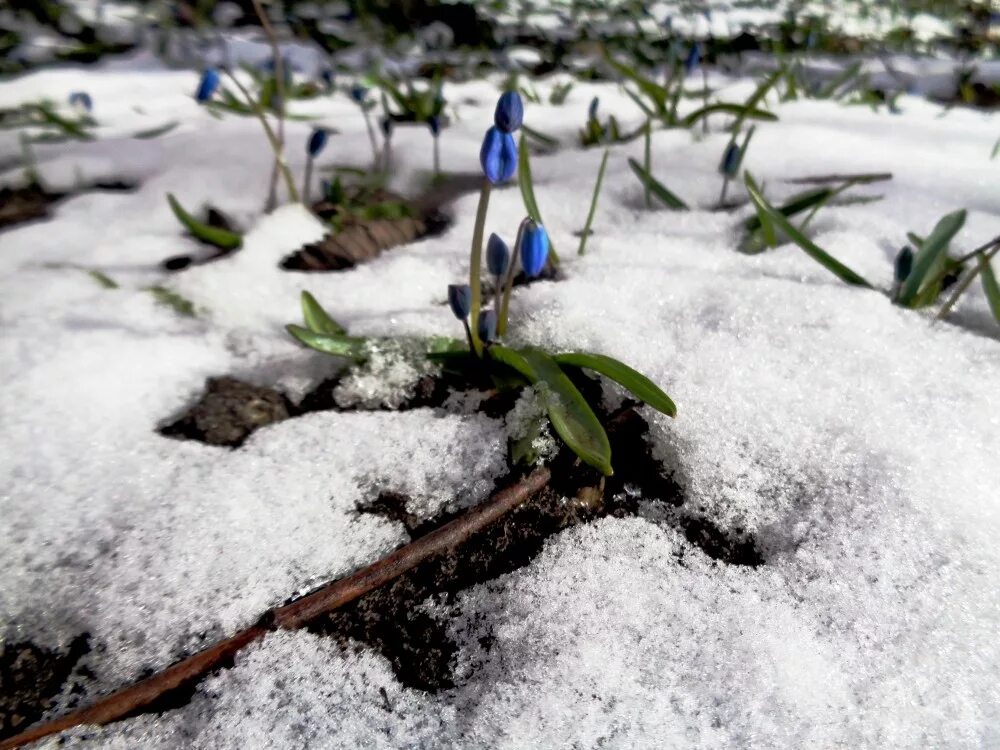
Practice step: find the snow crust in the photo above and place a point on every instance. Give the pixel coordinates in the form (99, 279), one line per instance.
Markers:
(855, 440)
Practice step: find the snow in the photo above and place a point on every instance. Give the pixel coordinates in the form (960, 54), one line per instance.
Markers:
(855, 440)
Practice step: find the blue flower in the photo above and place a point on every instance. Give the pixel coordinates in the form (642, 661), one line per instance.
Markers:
(82, 100)
(460, 300)
(434, 123)
(509, 113)
(497, 255)
(534, 249)
(592, 110)
(487, 326)
(730, 160)
(317, 141)
(498, 156)
(904, 264)
(207, 86)
(693, 58)
(327, 77)
(358, 93)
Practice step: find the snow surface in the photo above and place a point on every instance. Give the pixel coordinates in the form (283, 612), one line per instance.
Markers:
(856, 440)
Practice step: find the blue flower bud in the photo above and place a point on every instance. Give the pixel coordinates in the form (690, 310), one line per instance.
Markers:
(487, 326)
(730, 160)
(498, 156)
(81, 100)
(434, 123)
(387, 126)
(327, 77)
(904, 264)
(497, 255)
(317, 141)
(207, 86)
(460, 300)
(534, 249)
(592, 110)
(693, 58)
(510, 112)
(358, 93)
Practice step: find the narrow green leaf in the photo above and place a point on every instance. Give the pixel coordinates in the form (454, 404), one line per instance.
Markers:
(316, 318)
(103, 279)
(221, 238)
(593, 203)
(635, 382)
(812, 249)
(996, 150)
(741, 110)
(659, 190)
(990, 286)
(639, 102)
(573, 419)
(527, 185)
(155, 132)
(848, 75)
(170, 298)
(796, 204)
(929, 251)
(338, 346)
(656, 93)
(546, 141)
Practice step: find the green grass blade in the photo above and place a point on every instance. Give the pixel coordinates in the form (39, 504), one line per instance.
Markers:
(155, 132)
(593, 203)
(170, 298)
(740, 110)
(990, 286)
(527, 185)
(546, 141)
(338, 346)
(635, 382)
(571, 416)
(103, 279)
(814, 251)
(848, 75)
(929, 251)
(221, 238)
(659, 190)
(317, 319)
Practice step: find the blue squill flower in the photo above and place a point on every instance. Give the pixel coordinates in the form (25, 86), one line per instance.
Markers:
(434, 123)
(692, 59)
(326, 75)
(904, 264)
(498, 156)
(487, 326)
(81, 100)
(592, 109)
(730, 164)
(317, 141)
(460, 300)
(509, 112)
(534, 249)
(207, 86)
(358, 93)
(497, 256)
(387, 126)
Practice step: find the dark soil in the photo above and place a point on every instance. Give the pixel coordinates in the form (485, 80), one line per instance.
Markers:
(20, 205)
(30, 677)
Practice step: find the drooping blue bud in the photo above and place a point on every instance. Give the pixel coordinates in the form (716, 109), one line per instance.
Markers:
(358, 93)
(510, 112)
(81, 100)
(317, 141)
(693, 58)
(497, 255)
(460, 300)
(487, 326)
(534, 249)
(434, 123)
(387, 125)
(207, 86)
(904, 264)
(730, 164)
(498, 156)
(592, 110)
(668, 23)
(326, 75)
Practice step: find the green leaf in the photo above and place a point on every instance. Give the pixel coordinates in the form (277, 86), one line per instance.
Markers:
(812, 249)
(741, 110)
(635, 382)
(990, 286)
(593, 204)
(170, 298)
(656, 93)
(336, 345)
(573, 419)
(221, 238)
(103, 279)
(658, 189)
(546, 141)
(155, 132)
(527, 185)
(849, 74)
(316, 318)
(930, 250)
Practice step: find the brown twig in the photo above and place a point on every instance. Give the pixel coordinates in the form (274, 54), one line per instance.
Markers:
(188, 672)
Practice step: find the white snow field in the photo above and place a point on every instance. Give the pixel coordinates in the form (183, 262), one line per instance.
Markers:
(857, 441)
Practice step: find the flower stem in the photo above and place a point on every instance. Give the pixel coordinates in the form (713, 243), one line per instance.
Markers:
(279, 87)
(475, 264)
(648, 162)
(307, 180)
(437, 158)
(271, 137)
(725, 187)
(371, 135)
(508, 284)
